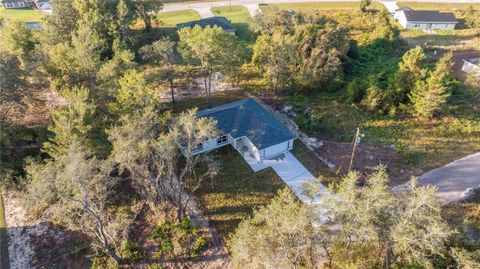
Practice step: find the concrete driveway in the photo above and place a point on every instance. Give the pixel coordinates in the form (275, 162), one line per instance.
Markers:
(288, 168)
(455, 178)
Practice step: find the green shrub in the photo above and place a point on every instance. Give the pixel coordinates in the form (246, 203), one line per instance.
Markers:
(178, 238)
(298, 101)
(131, 251)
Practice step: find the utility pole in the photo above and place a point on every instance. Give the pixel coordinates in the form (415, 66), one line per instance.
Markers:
(356, 141)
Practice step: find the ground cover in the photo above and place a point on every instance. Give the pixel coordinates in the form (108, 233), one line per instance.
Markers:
(239, 17)
(22, 15)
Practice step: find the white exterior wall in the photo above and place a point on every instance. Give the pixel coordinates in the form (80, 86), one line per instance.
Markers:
(276, 149)
(251, 148)
(400, 17)
(15, 4)
(211, 144)
(402, 20)
(430, 26)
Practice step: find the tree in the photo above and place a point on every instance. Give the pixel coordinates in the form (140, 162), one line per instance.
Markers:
(78, 187)
(18, 39)
(162, 53)
(85, 51)
(410, 71)
(125, 17)
(321, 49)
(70, 123)
(212, 49)
(364, 4)
(135, 93)
(147, 10)
(122, 61)
(61, 23)
(11, 77)
(77, 62)
(272, 19)
(276, 57)
(279, 235)
(380, 229)
(160, 157)
(429, 96)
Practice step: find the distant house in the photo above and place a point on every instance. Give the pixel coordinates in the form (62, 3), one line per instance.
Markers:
(425, 19)
(246, 125)
(16, 4)
(221, 22)
(471, 66)
(23, 3)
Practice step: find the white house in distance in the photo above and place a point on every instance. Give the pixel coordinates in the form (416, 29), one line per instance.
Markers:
(425, 19)
(250, 129)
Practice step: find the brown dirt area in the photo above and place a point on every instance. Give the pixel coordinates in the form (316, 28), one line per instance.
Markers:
(367, 156)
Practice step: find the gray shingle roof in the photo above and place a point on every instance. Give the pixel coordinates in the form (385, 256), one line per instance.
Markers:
(248, 118)
(212, 21)
(429, 16)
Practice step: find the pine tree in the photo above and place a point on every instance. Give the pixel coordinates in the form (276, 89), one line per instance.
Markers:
(70, 123)
(429, 96)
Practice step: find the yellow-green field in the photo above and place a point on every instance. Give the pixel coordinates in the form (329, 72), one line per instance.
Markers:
(239, 17)
(21, 15)
(172, 18)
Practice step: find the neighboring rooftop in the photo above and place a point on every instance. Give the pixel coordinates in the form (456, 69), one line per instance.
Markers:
(212, 21)
(428, 16)
(249, 118)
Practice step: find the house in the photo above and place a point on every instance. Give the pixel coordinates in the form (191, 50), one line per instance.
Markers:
(246, 125)
(23, 3)
(471, 66)
(16, 4)
(425, 19)
(219, 21)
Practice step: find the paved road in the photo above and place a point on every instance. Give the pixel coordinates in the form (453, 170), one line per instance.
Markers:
(203, 8)
(454, 178)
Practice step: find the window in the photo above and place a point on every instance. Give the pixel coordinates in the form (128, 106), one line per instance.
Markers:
(21, 4)
(222, 140)
(198, 148)
(8, 4)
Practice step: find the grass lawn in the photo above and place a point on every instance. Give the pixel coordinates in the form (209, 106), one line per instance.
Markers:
(231, 197)
(438, 6)
(3, 237)
(311, 161)
(239, 16)
(21, 15)
(172, 18)
(320, 6)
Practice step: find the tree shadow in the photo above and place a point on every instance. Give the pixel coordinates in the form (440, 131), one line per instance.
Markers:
(47, 245)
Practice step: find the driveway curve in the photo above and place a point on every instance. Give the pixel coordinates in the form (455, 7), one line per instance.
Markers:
(454, 179)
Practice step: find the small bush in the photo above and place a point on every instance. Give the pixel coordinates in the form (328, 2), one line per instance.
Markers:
(178, 238)
(298, 101)
(131, 251)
